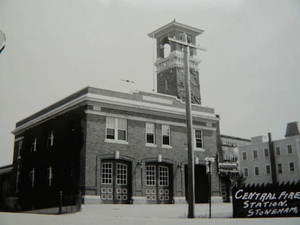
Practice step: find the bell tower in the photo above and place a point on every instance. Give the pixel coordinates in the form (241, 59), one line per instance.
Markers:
(169, 63)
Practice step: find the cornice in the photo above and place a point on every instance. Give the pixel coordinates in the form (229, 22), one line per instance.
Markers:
(134, 104)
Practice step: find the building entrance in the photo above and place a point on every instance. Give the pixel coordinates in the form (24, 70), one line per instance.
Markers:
(115, 182)
(201, 184)
(159, 183)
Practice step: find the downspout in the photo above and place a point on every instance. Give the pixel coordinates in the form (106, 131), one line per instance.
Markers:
(272, 160)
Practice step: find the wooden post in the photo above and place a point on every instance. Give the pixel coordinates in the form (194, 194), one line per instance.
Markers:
(189, 123)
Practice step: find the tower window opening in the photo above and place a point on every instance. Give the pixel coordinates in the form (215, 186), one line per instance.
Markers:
(167, 50)
(166, 85)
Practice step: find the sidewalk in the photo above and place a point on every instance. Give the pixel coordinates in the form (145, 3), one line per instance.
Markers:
(179, 211)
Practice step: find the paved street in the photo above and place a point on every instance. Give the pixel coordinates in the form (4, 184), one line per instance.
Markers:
(140, 214)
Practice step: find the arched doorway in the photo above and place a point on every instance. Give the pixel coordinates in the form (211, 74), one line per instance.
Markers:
(159, 183)
(115, 181)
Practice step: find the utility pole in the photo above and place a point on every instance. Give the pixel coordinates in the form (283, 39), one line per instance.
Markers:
(189, 123)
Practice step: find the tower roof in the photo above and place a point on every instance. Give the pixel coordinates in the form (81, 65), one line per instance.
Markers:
(175, 26)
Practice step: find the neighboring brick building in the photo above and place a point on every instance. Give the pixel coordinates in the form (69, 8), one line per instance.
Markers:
(5, 178)
(228, 164)
(116, 147)
(258, 159)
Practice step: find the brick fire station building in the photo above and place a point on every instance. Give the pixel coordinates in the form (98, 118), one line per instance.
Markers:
(118, 147)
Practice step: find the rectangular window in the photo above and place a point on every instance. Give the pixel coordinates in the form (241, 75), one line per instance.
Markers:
(116, 129)
(244, 156)
(150, 175)
(31, 177)
(49, 176)
(255, 155)
(289, 149)
(268, 169)
(198, 139)
(50, 140)
(277, 150)
(266, 151)
(20, 146)
(292, 166)
(110, 128)
(246, 174)
(122, 129)
(150, 133)
(33, 145)
(166, 134)
(279, 168)
(256, 171)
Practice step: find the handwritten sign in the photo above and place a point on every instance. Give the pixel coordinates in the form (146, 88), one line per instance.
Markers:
(267, 201)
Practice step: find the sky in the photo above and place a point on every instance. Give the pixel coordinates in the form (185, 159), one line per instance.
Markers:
(249, 73)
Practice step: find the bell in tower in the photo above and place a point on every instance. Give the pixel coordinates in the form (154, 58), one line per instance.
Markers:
(169, 63)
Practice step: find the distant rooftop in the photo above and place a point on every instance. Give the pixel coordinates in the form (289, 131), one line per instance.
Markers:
(235, 138)
(292, 129)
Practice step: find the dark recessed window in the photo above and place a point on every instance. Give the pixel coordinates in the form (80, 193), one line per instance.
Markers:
(150, 131)
(50, 140)
(266, 150)
(198, 139)
(292, 166)
(279, 168)
(289, 149)
(268, 169)
(277, 150)
(256, 171)
(166, 134)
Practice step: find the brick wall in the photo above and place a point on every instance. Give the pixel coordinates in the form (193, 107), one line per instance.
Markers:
(136, 149)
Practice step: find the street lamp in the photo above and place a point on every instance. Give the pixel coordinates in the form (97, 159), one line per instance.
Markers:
(209, 160)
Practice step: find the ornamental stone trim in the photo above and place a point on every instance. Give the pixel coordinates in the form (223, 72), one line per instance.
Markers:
(174, 61)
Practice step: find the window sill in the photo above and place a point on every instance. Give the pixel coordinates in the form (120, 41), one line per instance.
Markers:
(167, 146)
(150, 145)
(116, 141)
(199, 150)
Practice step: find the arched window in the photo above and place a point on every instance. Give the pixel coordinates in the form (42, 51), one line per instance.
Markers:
(166, 85)
(167, 50)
